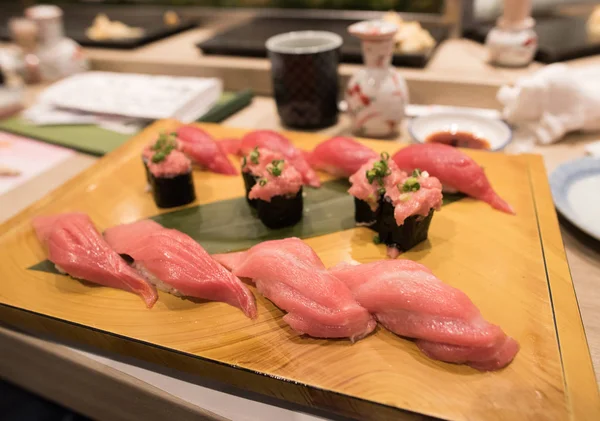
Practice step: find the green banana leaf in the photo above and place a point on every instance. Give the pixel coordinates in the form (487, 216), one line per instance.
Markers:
(231, 225)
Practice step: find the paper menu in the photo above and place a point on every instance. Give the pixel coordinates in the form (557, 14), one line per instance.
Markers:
(28, 157)
(148, 97)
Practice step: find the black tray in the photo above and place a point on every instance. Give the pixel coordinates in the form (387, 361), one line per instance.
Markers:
(559, 38)
(249, 39)
(77, 19)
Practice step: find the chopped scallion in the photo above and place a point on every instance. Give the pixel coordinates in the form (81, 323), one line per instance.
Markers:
(411, 184)
(254, 155)
(158, 157)
(276, 167)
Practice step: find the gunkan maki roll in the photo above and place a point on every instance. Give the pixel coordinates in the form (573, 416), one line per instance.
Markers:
(169, 173)
(368, 187)
(253, 168)
(397, 206)
(406, 210)
(278, 195)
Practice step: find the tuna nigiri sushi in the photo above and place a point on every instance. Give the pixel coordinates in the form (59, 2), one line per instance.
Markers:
(274, 141)
(290, 274)
(340, 156)
(230, 146)
(204, 151)
(410, 301)
(76, 248)
(176, 264)
(453, 168)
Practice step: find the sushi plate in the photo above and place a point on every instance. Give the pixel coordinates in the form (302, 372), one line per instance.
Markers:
(573, 186)
(513, 268)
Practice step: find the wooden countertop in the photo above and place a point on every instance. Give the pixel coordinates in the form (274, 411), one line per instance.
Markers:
(455, 60)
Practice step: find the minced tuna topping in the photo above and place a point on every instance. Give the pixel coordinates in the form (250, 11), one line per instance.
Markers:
(174, 163)
(279, 178)
(414, 194)
(370, 181)
(258, 159)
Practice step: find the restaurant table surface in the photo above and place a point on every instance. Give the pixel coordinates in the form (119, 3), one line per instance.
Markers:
(583, 255)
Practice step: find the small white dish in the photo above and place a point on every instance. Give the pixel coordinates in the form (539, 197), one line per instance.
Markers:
(576, 192)
(496, 132)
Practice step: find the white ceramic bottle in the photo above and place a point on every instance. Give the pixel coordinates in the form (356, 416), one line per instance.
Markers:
(377, 94)
(59, 56)
(513, 41)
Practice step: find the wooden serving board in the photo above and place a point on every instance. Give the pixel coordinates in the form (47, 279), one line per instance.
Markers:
(513, 268)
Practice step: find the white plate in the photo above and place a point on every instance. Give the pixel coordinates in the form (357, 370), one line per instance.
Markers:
(496, 132)
(576, 192)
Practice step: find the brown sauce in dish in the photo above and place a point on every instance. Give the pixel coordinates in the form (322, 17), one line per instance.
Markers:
(459, 139)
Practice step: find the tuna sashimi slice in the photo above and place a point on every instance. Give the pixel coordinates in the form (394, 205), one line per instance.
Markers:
(274, 141)
(179, 265)
(340, 156)
(410, 301)
(453, 168)
(231, 146)
(354, 330)
(489, 358)
(76, 248)
(290, 274)
(203, 150)
(230, 260)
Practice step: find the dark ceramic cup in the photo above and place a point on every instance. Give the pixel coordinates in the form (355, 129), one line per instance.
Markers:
(304, 66)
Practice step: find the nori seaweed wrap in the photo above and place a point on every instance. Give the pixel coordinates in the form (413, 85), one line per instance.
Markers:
(172, 191)
(281, 211)
(249, 182)
(363, 214)
(403, 237)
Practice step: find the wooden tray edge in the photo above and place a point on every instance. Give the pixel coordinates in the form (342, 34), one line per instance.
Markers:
(117, 395)
(255, 382)
(580, 380)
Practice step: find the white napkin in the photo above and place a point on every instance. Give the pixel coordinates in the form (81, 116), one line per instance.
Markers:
(553, 101)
